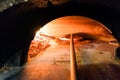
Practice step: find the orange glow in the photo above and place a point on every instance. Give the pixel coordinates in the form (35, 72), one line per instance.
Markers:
(38, 44)
(73, 24)
(64, 26)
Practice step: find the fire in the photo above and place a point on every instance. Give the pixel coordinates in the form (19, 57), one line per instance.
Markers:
(61, 28)
(38, 44)
(76, 37)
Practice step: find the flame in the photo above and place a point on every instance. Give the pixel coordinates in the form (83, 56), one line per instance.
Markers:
(38, 44)
(62, 27)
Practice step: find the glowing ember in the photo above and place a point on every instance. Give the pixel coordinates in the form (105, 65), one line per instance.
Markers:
(77, 37)
(38, 44)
